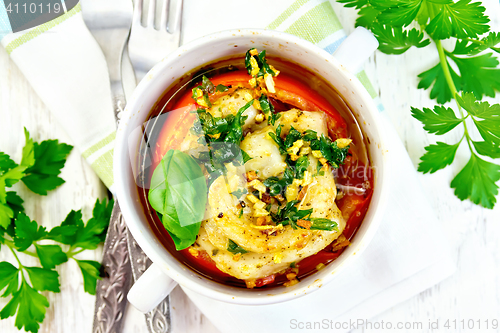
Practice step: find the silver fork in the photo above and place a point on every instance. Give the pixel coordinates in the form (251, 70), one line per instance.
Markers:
(149, 44)
(109, 22)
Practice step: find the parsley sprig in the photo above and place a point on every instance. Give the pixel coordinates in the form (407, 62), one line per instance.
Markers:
(470, 69)
(39, 169)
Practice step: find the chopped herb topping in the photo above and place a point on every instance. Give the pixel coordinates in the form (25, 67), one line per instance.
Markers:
(222, 137)
(256, 63)
(290, 215)
(235, 248)
(268, 110)
(330, 151)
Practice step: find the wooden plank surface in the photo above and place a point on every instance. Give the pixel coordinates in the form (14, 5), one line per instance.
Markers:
(472, 293)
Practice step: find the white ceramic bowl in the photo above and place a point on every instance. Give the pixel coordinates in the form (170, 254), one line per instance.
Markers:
(154, 285)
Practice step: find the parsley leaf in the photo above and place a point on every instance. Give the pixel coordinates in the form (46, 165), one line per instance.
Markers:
(301, 166)
(473, 47)
(91, 273)
(268, 109)
(489, 127)
(6, 214)
(440, 90)
(354, 3)
(66, 233)
(9, 277)
(487, 148)
(10, 174)
(94, 232)
(437, 157)
(245, 156)
(74, 232)
(334, 155)
(479, 74)
(28, 158)
(43, 279)
(461, 19)
(367, 16)
(462, 70)
(279, 141)
(398, 13)
(221, 88)
(15, 202)
(290, 215)
(439, 121)
(27, 232)
(481, 110)
(292, 136)
(50, 255)
(98, 223)
(222, 136)
(50, 157)
(477, 181)
(395, 40)
(30, 306)
(264, 67)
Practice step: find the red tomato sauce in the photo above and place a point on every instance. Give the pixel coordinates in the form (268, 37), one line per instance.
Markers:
(352, 175)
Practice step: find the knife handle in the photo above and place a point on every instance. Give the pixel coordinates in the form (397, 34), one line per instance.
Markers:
(111, 291)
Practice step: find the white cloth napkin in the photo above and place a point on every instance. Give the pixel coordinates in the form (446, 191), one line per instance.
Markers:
(408, 254)
(66, 68)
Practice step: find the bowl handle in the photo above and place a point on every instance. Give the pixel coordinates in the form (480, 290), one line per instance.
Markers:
(150, 289)
(356, 49)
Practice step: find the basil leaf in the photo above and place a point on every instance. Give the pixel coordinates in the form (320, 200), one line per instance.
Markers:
(179, 193)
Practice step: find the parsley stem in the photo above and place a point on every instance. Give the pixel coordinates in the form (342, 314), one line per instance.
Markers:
(451, 85)
(72, 253)
(30, 253)
(474, 41)
(15, 256)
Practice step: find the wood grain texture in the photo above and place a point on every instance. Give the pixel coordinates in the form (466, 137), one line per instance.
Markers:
(473, 292)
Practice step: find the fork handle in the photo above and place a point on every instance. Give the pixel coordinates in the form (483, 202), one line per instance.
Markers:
(118, 96)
